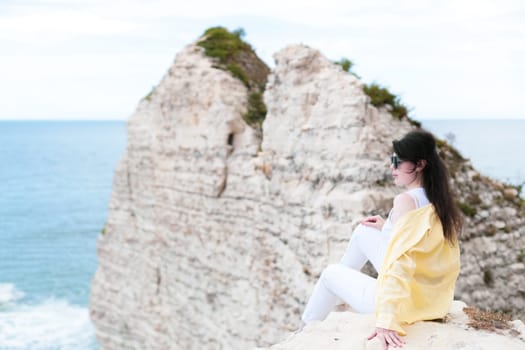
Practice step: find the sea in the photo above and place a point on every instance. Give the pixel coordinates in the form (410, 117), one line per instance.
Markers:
(55, 185)
(493, 146)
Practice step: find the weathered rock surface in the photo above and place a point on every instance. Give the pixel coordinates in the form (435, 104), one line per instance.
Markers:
(348, 330)
(215, 236)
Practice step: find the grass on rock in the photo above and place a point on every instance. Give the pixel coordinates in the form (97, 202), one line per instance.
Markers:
(238, 57)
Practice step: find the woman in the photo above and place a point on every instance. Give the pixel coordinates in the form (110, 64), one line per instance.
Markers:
(415, 250)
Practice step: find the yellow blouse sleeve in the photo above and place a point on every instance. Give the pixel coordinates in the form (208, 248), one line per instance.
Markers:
(393, 290)
(418, 274)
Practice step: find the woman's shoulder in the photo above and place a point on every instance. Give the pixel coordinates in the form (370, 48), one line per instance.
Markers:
(404, 200)
(403, 203)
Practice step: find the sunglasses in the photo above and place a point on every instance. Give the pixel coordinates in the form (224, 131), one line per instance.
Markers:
(396, 161)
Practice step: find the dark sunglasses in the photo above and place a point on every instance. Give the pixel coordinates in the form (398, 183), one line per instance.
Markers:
(396, 161)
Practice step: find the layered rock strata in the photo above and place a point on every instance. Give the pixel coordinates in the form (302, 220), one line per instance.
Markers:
(216, 233)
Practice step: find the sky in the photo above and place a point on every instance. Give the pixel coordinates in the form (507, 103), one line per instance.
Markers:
(95, 59)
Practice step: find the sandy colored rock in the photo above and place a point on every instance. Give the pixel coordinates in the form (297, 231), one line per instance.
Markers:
(348, 330)
(216, 233)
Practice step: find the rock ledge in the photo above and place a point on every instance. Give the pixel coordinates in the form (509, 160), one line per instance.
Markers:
(348, 330)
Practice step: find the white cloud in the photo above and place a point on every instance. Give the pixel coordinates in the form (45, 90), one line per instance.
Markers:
(403, 44)
(91, 86)
(60, 26)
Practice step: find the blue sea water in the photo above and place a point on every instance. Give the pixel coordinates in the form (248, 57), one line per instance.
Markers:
(55, 184)
(495, 147)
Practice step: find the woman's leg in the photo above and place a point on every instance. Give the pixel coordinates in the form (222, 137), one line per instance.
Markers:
(340, 282)
(366, 243)
(344, 281)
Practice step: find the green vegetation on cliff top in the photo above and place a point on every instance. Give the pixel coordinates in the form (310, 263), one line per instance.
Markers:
(380, 96)
(238, 57)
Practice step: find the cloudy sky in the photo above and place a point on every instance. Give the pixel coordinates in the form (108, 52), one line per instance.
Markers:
(95, 59)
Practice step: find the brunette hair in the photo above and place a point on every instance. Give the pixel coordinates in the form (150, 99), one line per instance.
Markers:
(419, 145)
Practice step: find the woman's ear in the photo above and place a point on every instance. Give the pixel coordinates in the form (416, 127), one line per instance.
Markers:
(421, 164)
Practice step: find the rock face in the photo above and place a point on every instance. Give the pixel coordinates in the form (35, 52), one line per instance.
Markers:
(216, 233)
(347, 330)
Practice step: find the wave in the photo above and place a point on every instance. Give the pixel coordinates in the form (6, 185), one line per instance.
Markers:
(9, 294)
(50, 325)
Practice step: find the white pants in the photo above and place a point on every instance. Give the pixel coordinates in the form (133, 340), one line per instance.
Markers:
(344, 281)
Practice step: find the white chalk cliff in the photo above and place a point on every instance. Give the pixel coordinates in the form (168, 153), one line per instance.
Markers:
(347, 330)
(216, 233)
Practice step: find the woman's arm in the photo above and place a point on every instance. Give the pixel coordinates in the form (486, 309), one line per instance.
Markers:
(393, 292)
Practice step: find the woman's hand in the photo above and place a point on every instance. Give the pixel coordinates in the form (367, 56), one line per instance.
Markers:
(387, 337)
(375, 221)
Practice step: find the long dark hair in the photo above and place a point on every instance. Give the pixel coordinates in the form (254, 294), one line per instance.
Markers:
(419, 145)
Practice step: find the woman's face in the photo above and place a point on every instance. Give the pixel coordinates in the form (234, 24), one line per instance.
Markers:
(403, 172)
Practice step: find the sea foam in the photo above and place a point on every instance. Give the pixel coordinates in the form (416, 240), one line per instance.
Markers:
(9, 294)
(49, 325)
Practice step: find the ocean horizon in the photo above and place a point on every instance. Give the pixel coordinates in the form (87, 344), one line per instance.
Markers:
(56, 184)
(492, 145)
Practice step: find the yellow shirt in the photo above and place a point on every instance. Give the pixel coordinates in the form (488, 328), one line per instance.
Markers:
(417, 278)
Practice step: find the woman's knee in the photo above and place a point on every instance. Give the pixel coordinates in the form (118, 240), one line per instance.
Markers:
(359, 232)
(364, 233)
(364, 230)
(331, 273)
